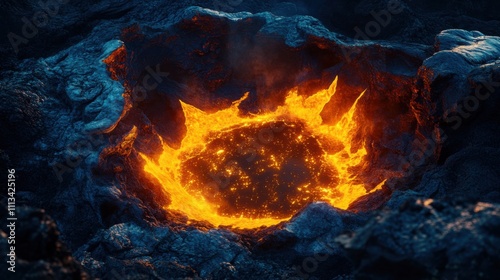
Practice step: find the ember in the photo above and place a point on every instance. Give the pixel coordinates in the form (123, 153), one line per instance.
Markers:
(248, 172)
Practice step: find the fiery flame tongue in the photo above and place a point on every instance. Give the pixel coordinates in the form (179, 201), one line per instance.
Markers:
(206, 182)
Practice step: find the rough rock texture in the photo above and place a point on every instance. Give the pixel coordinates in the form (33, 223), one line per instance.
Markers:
(39, 251)
(460, 83)
(419, 21)
(67, 128)
(410, 21)
(214, 58)
(428, 239)
(165, 253)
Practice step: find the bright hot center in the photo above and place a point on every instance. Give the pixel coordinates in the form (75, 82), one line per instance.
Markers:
(265, 170)
(259, 170)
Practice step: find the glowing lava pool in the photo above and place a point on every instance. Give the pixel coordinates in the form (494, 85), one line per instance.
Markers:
(259, 170)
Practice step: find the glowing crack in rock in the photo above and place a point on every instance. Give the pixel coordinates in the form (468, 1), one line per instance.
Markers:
(259, 170)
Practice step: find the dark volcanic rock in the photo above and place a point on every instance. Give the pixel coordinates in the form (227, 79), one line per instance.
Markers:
(410, 21)
(460, 85)
(470, 174)
(130, 251)
(72, 131)
(40, 254)
(267, 56)
(428, 239)
(463, 60)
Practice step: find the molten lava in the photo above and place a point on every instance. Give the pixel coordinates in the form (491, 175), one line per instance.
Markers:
(259, 170)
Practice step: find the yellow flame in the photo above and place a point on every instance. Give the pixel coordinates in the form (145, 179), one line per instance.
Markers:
(200, 124)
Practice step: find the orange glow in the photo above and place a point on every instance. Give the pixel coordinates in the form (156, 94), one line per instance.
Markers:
(115, 63)
(204, 200)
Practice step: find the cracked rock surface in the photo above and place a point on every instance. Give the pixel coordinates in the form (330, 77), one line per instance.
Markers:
(68, 129)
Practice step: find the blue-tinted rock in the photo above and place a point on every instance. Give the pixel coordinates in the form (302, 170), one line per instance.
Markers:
(57, 91)
(428, 239)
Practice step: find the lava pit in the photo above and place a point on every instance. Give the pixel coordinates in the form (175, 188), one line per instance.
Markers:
(271, 174)
(248, 171)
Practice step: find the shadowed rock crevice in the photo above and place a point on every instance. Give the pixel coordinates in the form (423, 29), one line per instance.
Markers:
(72, 127)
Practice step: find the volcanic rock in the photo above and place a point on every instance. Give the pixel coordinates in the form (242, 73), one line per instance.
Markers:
(428, 239)
(40, 254)
(64, 118)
